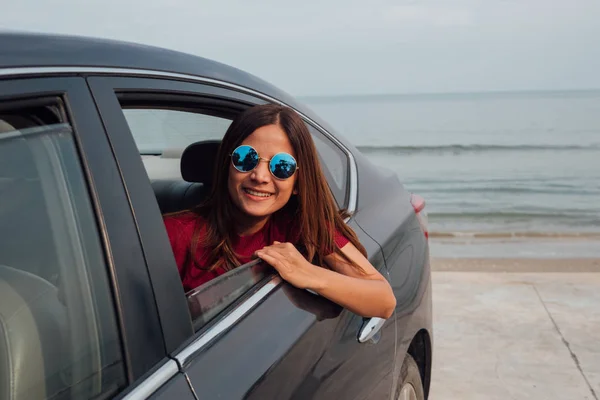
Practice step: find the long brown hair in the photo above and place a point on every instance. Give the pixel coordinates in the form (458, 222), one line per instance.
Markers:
(314, 205)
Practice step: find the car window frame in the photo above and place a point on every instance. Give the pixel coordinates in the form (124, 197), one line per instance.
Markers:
(121, 249)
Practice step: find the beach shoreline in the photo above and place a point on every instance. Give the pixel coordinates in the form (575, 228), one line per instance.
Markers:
(545, 248)
(524, 265)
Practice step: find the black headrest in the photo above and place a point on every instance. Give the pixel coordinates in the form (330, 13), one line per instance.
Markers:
(198, 161)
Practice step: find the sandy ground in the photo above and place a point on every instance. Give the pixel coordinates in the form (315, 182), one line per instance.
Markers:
(516, 264)
(516, 329)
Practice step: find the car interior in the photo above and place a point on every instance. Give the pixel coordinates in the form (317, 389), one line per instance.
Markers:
(197, 165)
(57, 336)
(34, 318)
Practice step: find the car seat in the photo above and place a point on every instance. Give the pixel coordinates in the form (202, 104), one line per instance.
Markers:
(197, 166)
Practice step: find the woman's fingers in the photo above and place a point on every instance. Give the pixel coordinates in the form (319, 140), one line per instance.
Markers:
(275, 250)
(272, 259)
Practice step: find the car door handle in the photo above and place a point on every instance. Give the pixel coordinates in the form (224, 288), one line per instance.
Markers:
(370, 329)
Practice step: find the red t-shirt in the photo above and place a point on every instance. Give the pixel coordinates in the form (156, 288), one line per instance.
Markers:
(181, 227)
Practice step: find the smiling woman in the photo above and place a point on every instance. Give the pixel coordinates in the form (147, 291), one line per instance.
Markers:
(266, 204)
(256, 186)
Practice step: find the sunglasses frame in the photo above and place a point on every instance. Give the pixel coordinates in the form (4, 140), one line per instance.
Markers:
(268, 160)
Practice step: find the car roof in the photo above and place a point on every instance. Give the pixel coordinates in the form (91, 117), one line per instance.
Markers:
(30, 50)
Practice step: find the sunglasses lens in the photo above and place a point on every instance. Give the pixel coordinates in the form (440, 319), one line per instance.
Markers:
(244, 158)
(283, 165)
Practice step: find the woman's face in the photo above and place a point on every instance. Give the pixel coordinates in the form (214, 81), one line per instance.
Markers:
(258, 193)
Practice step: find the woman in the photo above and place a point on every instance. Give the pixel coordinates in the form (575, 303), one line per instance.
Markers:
(266, 204)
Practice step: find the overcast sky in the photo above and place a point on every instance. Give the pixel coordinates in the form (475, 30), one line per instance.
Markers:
(354, 46)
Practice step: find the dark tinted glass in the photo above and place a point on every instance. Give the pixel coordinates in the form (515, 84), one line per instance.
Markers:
(335, 165)
(244, 158)
(212, 298)
(282, 165)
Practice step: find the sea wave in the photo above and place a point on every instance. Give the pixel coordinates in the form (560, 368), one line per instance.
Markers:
(547, 214)
(509, 235)
(542, 189)
(474, 148)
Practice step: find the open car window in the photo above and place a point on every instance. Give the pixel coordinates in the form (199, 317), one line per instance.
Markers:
(156, 130)
(214, 297)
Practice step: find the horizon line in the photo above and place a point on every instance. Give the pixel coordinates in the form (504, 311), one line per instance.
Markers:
(470, 93)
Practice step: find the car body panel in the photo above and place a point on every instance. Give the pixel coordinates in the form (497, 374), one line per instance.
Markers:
(177, 388)
(405, 247)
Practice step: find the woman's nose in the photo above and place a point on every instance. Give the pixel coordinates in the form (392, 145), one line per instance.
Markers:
(261, 173)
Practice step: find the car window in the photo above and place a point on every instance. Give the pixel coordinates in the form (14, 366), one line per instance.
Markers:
(161, 134)
(334, 163)
(155, 130)
(212, 298)
(58, 331)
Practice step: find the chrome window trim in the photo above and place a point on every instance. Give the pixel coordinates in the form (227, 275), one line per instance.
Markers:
(227, 322)
(28, 71)
(154, 381)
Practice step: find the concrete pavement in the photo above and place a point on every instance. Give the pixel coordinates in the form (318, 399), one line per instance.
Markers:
(516, 336)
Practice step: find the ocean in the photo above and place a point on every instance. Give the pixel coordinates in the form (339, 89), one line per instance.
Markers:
(514, 172)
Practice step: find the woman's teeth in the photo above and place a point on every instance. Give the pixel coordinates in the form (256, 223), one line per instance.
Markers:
(259, 194)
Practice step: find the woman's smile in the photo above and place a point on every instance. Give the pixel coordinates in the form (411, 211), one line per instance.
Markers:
(257, 195)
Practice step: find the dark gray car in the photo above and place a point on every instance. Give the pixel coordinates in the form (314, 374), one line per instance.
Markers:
(96, 139)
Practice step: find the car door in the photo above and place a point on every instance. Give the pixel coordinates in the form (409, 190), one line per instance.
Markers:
(261, 338)
(77, 319)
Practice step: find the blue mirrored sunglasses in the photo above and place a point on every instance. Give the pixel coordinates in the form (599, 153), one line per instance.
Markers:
(245, 158)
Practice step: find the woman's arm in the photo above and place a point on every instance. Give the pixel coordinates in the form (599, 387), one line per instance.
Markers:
(368, 294)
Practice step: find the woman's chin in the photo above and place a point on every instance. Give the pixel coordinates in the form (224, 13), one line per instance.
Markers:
(254, 209)
(257, 212)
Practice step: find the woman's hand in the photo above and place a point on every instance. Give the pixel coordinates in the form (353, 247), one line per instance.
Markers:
(291, 265)
(367, 294)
